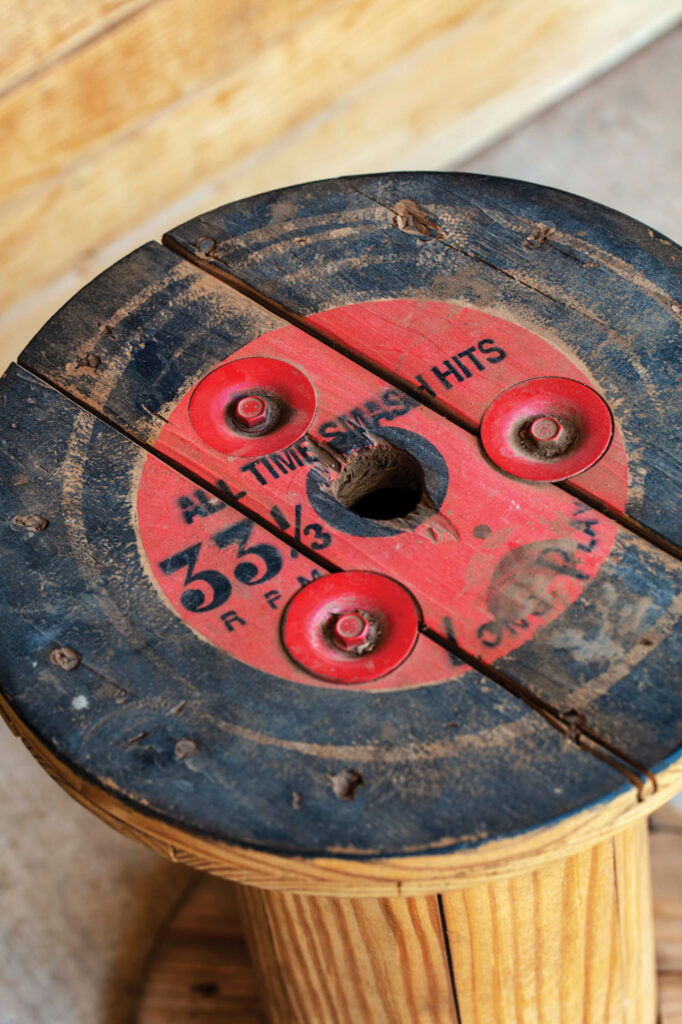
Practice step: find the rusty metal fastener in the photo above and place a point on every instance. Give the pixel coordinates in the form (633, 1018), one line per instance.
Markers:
(206, 245)
(250, 411)
(65, 658)
(185, 748)
(32, 523)
(575, 722)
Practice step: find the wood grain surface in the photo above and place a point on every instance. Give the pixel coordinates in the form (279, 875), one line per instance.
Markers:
(329, 876)
(666, 837)
(200, 965)
(37, 35)
(631, 603)
(201, 968)
(572, 942)
(334, 960)
(144, 683)
(120, 111)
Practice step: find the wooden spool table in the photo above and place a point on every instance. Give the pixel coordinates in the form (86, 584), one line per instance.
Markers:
(340, 540)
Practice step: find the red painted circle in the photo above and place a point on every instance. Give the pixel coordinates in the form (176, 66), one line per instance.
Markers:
(309, 623)
(511, 565)
(514, 434)
(216, 405)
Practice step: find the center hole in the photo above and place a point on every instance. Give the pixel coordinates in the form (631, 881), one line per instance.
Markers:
(380, 483)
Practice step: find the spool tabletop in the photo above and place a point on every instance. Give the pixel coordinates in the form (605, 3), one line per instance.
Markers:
(342, 543)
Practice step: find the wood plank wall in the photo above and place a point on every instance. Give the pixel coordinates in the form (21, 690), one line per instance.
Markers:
(119, 118)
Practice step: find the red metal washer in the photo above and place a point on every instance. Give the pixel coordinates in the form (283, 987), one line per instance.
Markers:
(308, 626)
(287, 393)
(516, 434)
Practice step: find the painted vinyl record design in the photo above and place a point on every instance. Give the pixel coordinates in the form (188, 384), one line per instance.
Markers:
(391, 571)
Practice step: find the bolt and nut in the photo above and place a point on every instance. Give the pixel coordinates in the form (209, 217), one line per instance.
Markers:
(353, 632)
(250, 412)
(545, 428)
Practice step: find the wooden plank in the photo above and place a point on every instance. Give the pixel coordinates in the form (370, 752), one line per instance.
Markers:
(35, 33)
(153, 715)
(670, 997)
(52, 117)
(184, 965)
(560, 944)
(335, 876)
(607, 652)
(601, 288)
(103, 180)
(223, 61)
(666, 842)
(329, 960)
(636, 945)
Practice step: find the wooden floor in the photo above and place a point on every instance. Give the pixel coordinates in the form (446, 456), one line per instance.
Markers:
(200, 972)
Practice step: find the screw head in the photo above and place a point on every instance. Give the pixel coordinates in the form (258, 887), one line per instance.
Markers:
(351, 631)
(185, 748)
(65, 658)
(545, 428)
(32, 523)
(250, 411)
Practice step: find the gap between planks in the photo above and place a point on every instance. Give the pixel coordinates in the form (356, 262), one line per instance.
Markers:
(587, 739)
(225, 277)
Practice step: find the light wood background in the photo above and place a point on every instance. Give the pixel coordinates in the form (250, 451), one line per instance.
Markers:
(120, 118)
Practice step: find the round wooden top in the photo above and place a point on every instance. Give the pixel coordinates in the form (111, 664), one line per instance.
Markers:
(275, 603)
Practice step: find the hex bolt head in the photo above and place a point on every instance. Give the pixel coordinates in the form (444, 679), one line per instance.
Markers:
(352, 631)
(545, 428)
(250, 411)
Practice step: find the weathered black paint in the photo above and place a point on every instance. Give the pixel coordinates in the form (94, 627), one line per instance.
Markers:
(154, 339)
(612, 291)
(80, 583)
